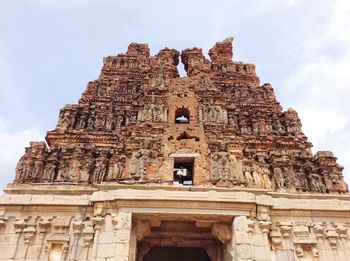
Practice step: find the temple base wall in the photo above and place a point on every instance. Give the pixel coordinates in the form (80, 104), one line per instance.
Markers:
(39, 222)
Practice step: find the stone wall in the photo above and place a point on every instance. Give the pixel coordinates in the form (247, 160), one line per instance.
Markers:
(41, 223)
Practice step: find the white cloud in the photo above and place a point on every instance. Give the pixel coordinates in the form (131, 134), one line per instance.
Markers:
(12, 146)
(320, 84)
(319, 123)
(291, 2)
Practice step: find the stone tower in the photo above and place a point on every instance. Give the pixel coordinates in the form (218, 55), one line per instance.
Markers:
(149, 165)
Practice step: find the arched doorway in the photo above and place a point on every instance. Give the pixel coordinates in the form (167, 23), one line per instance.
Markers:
(182, 115)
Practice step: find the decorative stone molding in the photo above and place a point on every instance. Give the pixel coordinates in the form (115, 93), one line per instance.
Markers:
(332, 238)
(98, 209)
(2, 223)
(61, 225)
(342, 232)
(265, 226)
(222, 232)
(19, 225)
(142, 229)
(88, 234)
(57, 239)
(251, 226)
(124, 220)
(263, 213)
(302, 234)
(286, 231)
(319, 231)
(276, 237)
(29, 232)
(43, 226)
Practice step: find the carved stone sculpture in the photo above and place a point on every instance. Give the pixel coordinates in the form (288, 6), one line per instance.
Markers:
(237, 135)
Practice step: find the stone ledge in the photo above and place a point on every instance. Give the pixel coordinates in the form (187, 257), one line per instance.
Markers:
(84, 189)
(28, 199)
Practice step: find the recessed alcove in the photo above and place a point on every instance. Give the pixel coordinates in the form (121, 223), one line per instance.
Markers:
(182, 115)
(183, 171)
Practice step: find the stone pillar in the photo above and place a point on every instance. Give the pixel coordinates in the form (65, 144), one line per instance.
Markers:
(43, 226)
(260, 241)
(287, 252)
(28, 235)
(123, 237)
(97, 221)
(88, 236)
(19, 225)
(78, 227)
(242, 245)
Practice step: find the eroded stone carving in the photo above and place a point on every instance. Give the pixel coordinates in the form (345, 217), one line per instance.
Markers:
(97, 139)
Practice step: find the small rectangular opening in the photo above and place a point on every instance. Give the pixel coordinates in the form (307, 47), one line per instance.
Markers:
(56, 252)
(183, 171)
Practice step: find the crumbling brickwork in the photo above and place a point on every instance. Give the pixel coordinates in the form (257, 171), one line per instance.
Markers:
(140, 118)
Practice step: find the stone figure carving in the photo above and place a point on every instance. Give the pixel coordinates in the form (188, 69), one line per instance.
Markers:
(100, 170)
(278, 127)
(64, 121)
(120, 121)
(248, 174)
(256, 176)
(73, 173)
(232, 121)
(152, 112)
(290, 178)
(81, 122)
(117, 169)
(334, 183)
(214, 114)
(243, 126)
(141, 159)
(265, 176)
(220, 166)
(256, 172)
(110, 121)
(136, 168)
(100, 121)
(159, 79)
(90, 122)
(278, 178)
(293, 125)
(38, 170)
(49, 171)
(232, 106)
(224, 164)
(23, 169)
(63, 170)
(214, 167)
(316, 183)
(86, 168)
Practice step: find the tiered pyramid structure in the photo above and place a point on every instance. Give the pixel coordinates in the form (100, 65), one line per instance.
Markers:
(127, 128)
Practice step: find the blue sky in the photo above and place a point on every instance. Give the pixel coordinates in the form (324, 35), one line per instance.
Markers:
(50, 49)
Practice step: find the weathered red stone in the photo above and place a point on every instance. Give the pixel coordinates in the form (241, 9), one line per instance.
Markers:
(139, 122)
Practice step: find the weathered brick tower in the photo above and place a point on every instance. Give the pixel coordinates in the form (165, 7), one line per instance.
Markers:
(152, 166)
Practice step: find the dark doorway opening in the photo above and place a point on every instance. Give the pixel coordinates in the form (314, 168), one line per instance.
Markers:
(182, 115)
(159, 253)
(183, 171)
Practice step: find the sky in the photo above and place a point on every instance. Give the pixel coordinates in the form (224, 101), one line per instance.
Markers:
(50, 49)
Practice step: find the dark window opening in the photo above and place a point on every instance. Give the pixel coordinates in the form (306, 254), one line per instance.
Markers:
(183, 171)
(182, 115)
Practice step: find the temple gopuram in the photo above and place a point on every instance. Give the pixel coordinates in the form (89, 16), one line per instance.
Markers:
(151, 166)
